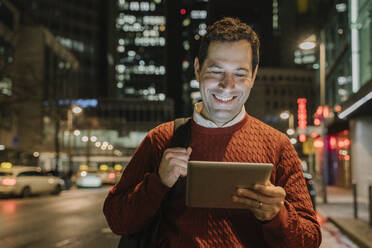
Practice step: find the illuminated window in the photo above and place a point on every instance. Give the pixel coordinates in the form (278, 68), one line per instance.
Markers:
(121, 49)
(6, 86)
(145, 6)
(198, 14)
(149, 41)
(134, 6)
(120, 68)
(154, 20)
(186, 45)
(131, 53)
(275, 15)
(194, 84)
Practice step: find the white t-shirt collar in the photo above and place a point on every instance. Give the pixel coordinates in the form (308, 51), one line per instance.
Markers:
(202, 121)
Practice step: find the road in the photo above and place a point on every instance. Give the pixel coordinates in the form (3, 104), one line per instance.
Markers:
(74, 219)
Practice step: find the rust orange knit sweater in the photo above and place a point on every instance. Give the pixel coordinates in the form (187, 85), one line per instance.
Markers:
(138, 196)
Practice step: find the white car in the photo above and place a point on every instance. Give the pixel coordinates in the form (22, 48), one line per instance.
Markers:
(88, 179)
(28, 180)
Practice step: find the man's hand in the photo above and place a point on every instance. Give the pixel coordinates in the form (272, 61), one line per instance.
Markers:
(265, 201)
(174, 164)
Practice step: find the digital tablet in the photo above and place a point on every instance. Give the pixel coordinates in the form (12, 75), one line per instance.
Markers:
(212, 184)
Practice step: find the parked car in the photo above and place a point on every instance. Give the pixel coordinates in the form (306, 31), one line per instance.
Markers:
(28, 180)
(88, 179)
(109, 175)
(311, 188)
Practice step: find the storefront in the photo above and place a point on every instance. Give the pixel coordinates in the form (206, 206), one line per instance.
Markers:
(338, 151)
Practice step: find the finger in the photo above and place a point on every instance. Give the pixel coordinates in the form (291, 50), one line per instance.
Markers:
(179, 156)
(250, 203)
(176, 150)
(189, 150)
(271, 191)
(178, 162)
(258, 196)
(182, 171)
(247, 193)
(180, 150)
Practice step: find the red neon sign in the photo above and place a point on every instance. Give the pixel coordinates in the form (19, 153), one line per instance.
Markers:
(301, 113)
(302, 137)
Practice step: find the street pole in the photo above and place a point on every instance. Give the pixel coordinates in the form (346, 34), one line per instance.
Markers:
(322, 81)
(88, 149)
(291, 121)
(69, 128)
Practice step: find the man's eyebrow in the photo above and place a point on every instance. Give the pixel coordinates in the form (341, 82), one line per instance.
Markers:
(243, 69)
(214, 66)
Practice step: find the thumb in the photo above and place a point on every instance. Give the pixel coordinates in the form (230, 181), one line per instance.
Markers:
(189, 150)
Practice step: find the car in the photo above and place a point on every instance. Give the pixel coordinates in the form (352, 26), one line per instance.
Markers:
(109, 175)
(88, 179)
(28, 180)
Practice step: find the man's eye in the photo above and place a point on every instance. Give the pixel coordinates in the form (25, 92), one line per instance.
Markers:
(240, 75)
(216, 72)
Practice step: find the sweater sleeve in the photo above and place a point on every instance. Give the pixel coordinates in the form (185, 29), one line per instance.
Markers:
(134, 201)
(296, 224)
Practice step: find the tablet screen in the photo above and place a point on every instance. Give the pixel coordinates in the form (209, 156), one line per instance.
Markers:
(212, 184)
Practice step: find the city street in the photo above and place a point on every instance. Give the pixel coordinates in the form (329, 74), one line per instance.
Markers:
(75, 219)
(333, 238)
(85, 86)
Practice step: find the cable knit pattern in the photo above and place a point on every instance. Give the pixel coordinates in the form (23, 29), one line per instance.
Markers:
(137, 197)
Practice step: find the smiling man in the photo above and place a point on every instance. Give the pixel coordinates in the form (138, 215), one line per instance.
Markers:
(226, 78)
(277, 214)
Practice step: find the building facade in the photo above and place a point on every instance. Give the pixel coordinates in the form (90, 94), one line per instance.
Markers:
(357, 108)
(348, 94)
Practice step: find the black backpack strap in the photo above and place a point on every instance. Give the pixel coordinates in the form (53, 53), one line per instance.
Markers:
(181, 133)
(147, 237)
(181, 138)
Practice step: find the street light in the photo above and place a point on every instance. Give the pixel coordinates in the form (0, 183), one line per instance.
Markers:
(308, 43)
(76, 132)
(74, 110)
(293, 141)
(288, 115)
(322, 83)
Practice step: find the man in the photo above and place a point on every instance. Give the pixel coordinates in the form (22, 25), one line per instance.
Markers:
(278, 214)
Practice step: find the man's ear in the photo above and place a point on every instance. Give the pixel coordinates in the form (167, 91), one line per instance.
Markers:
(253, 76)
(196, 68)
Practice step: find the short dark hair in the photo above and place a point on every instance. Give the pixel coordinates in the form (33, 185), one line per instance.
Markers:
(230, 29)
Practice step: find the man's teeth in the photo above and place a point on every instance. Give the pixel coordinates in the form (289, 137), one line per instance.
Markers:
(224, 99)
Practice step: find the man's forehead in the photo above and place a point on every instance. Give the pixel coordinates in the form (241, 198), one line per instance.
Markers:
(239, 52)
(215, 43)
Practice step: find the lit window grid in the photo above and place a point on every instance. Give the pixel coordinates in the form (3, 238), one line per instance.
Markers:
(275, 15)
(144, 31)
(193, 29)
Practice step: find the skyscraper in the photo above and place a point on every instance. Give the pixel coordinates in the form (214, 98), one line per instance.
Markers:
(137, 57)
(80, 27)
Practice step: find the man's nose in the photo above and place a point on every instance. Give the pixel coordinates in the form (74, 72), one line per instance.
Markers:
(228, 80)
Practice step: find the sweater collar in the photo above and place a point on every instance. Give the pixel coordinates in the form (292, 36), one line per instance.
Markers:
(195, 127)
(202, 121)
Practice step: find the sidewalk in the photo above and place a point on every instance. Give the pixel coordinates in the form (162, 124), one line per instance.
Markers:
(339, 211)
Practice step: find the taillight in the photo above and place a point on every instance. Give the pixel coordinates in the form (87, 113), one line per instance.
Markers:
(111, 175)
(8, 181)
